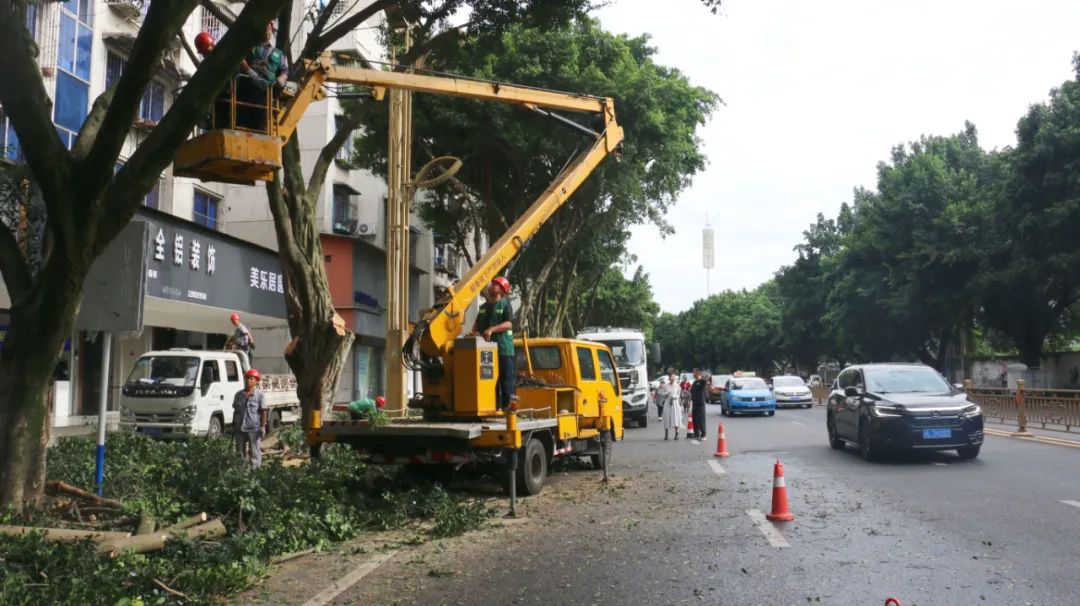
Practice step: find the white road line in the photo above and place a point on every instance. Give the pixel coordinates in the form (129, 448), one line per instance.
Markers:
(940, 463)
(337, 587)
(717, 469)
(797, 423)
(1073, 503)
(771, 533)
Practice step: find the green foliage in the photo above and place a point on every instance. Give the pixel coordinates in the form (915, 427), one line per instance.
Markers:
(270, 511)
(615, 300)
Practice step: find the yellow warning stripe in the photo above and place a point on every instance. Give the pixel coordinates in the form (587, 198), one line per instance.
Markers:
(1040, 439)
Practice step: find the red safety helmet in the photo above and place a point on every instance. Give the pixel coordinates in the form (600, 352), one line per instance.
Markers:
(254, 372)
(380, 401)
(503, 283)
(234, 318)
(203, 42)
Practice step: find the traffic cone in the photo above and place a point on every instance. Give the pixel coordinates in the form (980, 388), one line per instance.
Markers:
(721, 443)
(690, 425)
(779, 511)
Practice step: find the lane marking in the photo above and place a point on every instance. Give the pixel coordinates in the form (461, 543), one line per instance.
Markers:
(939, 463)
(1075, 504)
(338, 587)
(717, 469)
(797, 423)
(771, 533)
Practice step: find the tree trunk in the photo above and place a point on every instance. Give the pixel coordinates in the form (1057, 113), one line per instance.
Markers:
(39, 325)
(1030, 344)
(321, 341)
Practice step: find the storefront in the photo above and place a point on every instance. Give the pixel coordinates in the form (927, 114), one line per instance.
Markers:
(167, 283)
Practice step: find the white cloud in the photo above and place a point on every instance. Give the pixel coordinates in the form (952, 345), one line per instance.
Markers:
(817, 94)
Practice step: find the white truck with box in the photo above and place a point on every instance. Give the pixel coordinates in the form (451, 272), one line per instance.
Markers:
(628, 348)
(182, 393)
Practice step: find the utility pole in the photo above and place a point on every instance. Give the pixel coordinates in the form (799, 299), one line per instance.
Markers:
(708, 259)
(399, 160)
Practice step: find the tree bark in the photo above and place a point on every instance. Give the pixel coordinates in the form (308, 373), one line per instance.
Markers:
(321, 342)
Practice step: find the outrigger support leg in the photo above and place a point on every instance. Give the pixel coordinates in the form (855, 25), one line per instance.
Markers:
(511, 477)
(603, 453)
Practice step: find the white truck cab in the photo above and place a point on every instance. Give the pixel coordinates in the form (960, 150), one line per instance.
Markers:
(628, 348)
(181, 393)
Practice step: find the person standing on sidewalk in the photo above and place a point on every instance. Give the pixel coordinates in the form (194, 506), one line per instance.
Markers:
(249, 417)
(669, 393)
(697, 403)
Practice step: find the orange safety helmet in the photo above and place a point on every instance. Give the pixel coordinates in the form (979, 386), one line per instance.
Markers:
(380, 401)
(234, 318)
(203, 42)
(503, 283)
(254, 372)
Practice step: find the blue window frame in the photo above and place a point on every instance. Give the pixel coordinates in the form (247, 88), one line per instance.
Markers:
(74, 53)
(152, 106)
(9, 141)
(205, 209)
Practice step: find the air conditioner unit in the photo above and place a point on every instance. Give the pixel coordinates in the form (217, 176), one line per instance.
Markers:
(366, 229)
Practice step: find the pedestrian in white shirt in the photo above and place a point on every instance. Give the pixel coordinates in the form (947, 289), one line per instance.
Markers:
(669, 393)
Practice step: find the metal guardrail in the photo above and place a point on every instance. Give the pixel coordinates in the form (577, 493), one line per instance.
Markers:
(1052, 409)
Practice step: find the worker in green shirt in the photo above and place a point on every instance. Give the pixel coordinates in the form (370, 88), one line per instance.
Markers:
(263, 68)
(496, 323)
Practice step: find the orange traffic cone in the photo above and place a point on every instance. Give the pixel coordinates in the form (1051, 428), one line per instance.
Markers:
(689, 424)
(721, 443)
(779, 511)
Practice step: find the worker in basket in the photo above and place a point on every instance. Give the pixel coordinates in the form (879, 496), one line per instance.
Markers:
(263, 69)
(496, 323)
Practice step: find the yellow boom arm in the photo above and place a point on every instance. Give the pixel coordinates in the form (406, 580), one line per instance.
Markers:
(441, 325)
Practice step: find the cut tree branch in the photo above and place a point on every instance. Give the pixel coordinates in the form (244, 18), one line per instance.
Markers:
(190, 52)
(330, 151)
(318, 43)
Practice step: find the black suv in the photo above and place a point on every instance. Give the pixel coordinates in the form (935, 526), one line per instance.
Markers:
(901, 406)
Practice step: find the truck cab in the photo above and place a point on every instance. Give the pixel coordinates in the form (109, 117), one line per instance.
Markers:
(627, 347)
(182, 393)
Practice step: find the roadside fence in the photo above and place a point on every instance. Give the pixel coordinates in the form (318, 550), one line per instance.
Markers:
(1052, 409)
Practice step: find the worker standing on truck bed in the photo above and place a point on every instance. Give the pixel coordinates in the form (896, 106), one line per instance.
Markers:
(241, 339)
(249, 417)
(496, 323)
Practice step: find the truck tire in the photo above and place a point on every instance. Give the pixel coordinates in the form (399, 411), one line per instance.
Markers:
(216, 428)
(532, 468)
(643, 420)
(274, 421)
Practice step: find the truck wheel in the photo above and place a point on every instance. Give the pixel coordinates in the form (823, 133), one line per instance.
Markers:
(274, 421)
(532, 468)
(216, 428)
(643, 420)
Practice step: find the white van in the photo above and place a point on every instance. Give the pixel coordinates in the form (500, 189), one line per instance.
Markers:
(181, 393)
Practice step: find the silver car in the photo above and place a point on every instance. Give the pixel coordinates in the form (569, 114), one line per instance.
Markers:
(791, 391)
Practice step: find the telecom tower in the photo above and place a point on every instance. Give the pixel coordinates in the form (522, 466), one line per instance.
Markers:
(707, 258)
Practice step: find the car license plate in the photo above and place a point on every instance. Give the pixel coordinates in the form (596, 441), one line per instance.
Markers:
(152, 431)
(936, 434)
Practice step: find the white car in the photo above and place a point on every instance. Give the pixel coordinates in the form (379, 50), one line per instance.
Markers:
(791, 391)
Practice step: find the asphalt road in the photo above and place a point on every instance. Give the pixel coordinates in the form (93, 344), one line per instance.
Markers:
(673, 528)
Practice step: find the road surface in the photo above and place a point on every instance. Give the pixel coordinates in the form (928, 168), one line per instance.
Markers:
(677, 526)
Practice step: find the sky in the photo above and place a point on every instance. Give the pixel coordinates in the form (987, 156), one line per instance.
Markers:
(816, 94)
